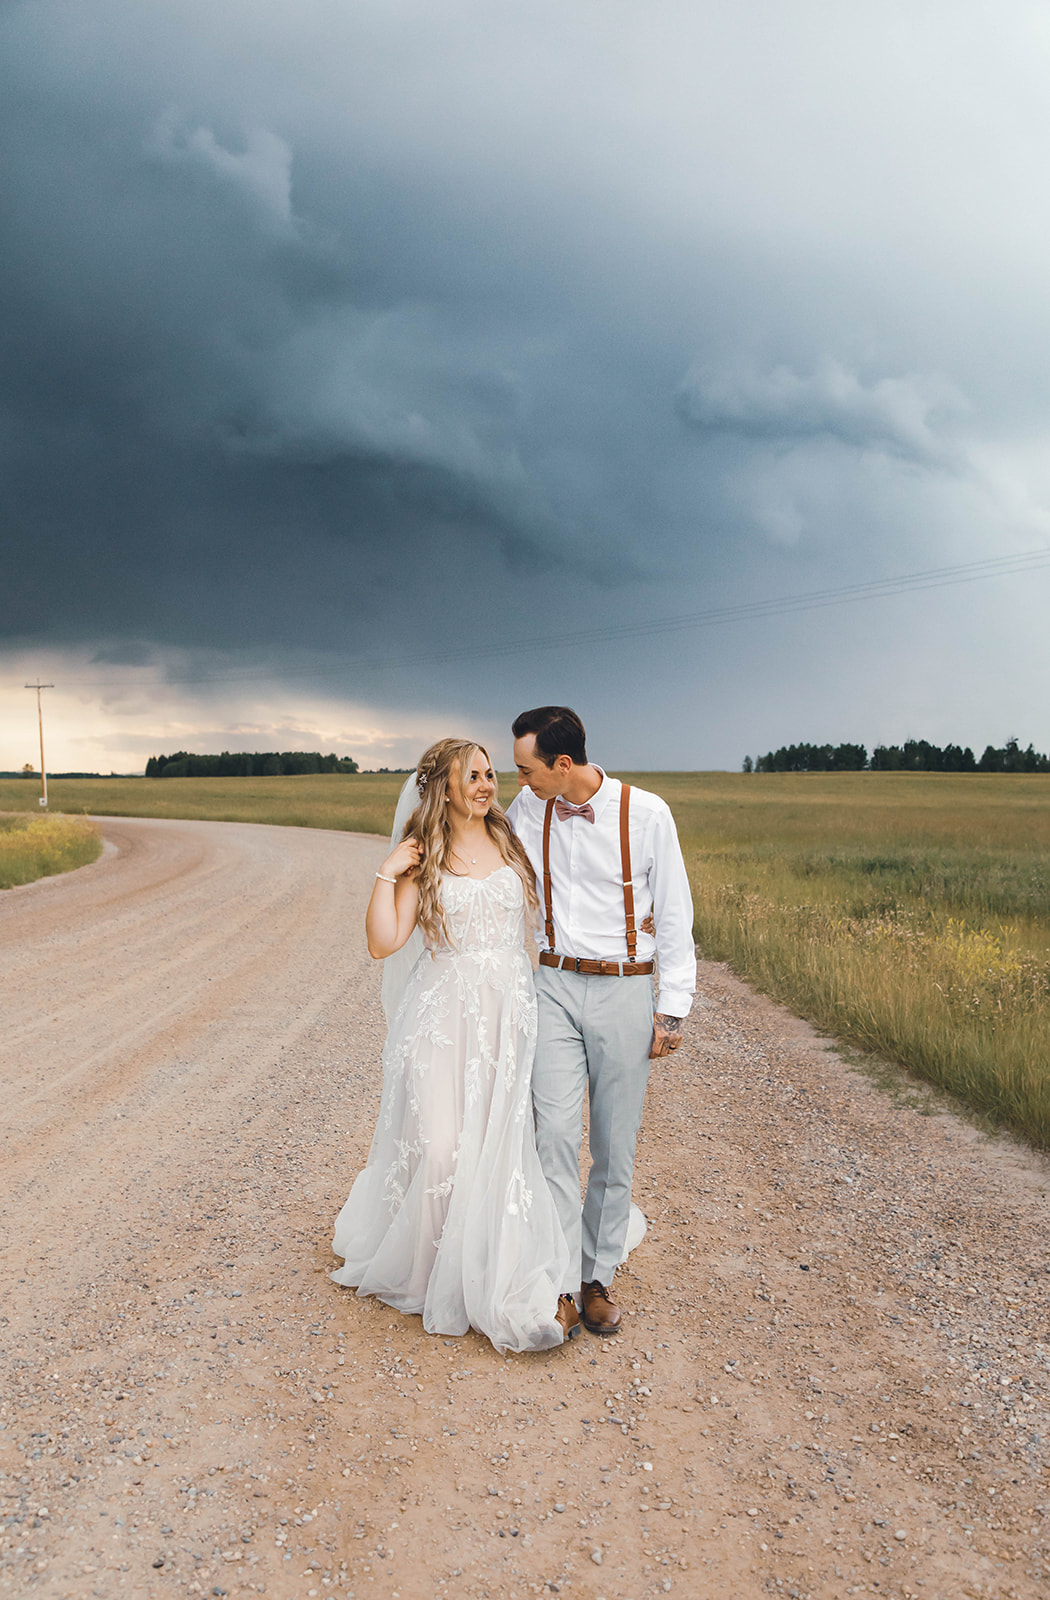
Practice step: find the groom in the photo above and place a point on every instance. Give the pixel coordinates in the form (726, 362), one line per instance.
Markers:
(606, 859)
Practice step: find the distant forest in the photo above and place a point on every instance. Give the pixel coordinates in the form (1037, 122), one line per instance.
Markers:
(915, 755)
(263, 764)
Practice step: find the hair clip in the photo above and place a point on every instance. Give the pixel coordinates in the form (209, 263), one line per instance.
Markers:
(421, 781)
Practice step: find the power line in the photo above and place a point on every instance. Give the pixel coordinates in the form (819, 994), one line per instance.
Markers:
(720, 616)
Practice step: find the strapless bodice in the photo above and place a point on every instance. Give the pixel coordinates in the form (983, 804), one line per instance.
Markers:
(484, 914)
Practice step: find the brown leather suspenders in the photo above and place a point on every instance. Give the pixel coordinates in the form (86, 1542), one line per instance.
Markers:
(625, 863)
(548, 907)
(625, 874)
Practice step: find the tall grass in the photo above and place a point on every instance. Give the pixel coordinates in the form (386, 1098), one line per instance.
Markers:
(908, 914)
(34, 847)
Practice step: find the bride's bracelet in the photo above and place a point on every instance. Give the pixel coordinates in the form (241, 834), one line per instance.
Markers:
(384, 877)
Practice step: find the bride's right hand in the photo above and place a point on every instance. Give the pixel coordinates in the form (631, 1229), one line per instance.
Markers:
(405, 858)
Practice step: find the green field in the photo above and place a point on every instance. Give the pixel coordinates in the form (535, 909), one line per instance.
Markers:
(908, 914)
(362, 803)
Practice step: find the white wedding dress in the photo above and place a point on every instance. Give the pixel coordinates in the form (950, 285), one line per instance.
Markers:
(452, 1218)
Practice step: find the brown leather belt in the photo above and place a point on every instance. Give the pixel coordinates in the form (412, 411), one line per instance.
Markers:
(600, 969)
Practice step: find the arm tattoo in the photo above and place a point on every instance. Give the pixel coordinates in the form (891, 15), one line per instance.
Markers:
(668, 1024)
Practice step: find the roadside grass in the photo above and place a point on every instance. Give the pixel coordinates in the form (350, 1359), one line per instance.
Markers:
(34, 847)
(906, 914)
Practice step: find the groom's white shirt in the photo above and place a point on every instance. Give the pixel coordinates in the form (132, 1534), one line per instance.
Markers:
(587, 885)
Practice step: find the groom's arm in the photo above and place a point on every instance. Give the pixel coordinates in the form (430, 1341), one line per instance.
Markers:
(675, 950)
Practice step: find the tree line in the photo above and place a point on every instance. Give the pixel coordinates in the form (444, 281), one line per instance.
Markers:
(914, 755)
(258, 764)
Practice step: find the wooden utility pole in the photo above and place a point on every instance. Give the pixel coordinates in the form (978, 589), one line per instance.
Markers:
(40, 718)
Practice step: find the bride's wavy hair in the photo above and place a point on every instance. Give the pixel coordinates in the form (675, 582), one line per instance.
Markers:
(429, 824)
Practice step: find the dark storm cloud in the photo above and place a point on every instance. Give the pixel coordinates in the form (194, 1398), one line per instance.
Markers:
(227, 418)
(324, 325)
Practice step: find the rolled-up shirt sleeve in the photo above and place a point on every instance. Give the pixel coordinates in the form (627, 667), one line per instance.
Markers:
(673, 914)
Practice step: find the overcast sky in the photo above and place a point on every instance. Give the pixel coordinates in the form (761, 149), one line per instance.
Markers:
(360, 355)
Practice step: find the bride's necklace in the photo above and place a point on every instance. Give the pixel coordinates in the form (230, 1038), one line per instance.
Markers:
(463, 856)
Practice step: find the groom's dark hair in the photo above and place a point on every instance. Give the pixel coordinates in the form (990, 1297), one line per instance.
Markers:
(559, 732)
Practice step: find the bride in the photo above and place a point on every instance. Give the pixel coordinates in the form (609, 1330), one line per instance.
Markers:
(451, 1217)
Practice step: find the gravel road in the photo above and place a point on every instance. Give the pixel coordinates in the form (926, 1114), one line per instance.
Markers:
(833, 1378)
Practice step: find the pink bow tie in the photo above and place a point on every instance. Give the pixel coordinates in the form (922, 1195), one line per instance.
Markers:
(564, 811)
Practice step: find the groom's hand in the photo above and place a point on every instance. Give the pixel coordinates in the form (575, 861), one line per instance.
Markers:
(667, 1035)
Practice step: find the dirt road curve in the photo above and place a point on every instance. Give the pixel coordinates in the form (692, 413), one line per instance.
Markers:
(833, 1378)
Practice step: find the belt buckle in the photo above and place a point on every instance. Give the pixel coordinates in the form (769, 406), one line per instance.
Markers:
(577, 961)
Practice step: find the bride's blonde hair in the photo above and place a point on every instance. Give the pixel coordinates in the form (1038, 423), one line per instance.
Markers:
(429, 823)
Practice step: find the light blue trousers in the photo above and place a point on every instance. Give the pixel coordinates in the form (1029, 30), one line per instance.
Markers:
(595, 1033)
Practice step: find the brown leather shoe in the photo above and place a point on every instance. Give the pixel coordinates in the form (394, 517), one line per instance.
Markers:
(567, 1317)
(600, 1315)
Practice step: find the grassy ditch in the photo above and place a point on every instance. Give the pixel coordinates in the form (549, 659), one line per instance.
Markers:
(34, 847)
(907, 914)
